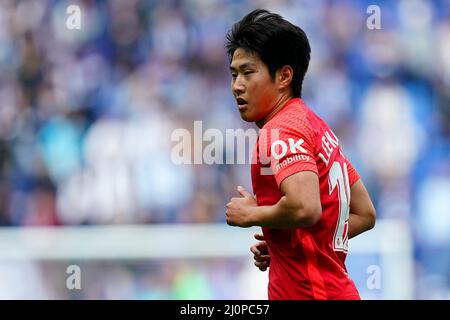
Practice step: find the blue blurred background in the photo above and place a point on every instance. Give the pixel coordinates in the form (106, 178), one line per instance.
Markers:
(86, 118)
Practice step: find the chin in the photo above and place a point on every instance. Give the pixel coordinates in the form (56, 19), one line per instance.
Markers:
(248, 118)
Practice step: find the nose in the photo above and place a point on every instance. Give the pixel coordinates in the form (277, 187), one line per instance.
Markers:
(237, 86)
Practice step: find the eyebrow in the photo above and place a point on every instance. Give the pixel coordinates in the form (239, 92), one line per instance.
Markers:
(243, 66)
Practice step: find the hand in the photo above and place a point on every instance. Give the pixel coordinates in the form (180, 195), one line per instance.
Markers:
(260, 253)
(239, 209)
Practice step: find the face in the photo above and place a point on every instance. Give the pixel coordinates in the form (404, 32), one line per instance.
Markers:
(255, 91)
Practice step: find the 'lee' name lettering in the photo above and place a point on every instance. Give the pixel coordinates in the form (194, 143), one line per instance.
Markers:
(329, 143)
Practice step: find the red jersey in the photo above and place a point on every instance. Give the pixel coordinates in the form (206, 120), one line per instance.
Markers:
(307, 262)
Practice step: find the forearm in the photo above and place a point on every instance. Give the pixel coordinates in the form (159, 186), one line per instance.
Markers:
(282, 215)
(358, 224)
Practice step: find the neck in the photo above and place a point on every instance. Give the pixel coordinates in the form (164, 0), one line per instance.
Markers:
(278, 106)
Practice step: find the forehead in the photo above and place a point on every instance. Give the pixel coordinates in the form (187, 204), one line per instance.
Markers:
(241, 56)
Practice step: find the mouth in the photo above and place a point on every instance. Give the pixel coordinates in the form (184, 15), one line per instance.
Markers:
(242, 104)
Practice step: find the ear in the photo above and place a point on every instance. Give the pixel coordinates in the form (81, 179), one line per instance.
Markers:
(285, 75)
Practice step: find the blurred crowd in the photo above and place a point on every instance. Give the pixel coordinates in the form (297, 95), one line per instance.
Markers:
(86, 115)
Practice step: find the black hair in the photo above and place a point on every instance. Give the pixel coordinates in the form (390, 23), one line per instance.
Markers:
(275, 40)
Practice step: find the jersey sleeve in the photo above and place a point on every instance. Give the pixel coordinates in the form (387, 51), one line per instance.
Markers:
(353, 175)
(290, 147)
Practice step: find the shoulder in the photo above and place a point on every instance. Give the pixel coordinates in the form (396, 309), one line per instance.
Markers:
(295, 120)
(290, 116)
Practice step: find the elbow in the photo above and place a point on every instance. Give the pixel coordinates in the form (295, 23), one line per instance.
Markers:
(302, 213)
(371, 218)
(307, 217)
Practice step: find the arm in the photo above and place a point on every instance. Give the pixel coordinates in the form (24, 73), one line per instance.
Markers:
(362, 212)
(299, 207)
(362, 218)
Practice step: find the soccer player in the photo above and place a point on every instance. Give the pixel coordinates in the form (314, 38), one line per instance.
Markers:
(309, 200)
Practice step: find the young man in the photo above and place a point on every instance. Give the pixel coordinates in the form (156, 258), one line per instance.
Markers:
(314, 200)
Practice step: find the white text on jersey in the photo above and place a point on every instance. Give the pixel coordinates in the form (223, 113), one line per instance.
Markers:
(293, 146)
(329, 143)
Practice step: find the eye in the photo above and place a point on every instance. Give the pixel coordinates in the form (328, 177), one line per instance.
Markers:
(234, 75)
(248, 72)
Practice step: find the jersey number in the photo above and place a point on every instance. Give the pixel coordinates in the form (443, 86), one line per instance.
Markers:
(338, 177)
